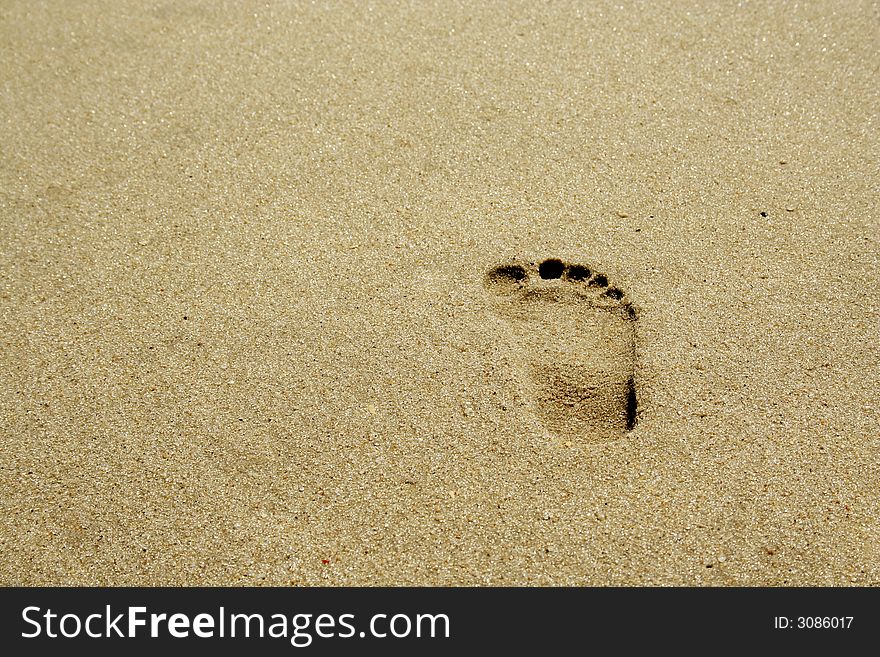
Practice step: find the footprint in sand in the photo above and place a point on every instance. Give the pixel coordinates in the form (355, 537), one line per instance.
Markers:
(576, 332)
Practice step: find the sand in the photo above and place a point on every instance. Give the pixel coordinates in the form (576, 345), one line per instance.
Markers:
(246, 339)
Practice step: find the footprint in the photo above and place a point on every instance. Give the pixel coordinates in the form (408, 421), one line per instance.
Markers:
(576, 334)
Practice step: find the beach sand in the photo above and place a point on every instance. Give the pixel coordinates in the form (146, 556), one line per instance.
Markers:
(246, 331)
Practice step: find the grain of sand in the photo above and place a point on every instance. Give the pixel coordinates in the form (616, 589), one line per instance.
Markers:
(245, 340)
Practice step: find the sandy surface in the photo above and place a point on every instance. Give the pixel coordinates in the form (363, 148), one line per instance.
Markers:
(245, 338)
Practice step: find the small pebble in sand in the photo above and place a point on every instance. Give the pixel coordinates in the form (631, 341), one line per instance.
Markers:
(783, 161)
(622, 215)
(789, 209)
